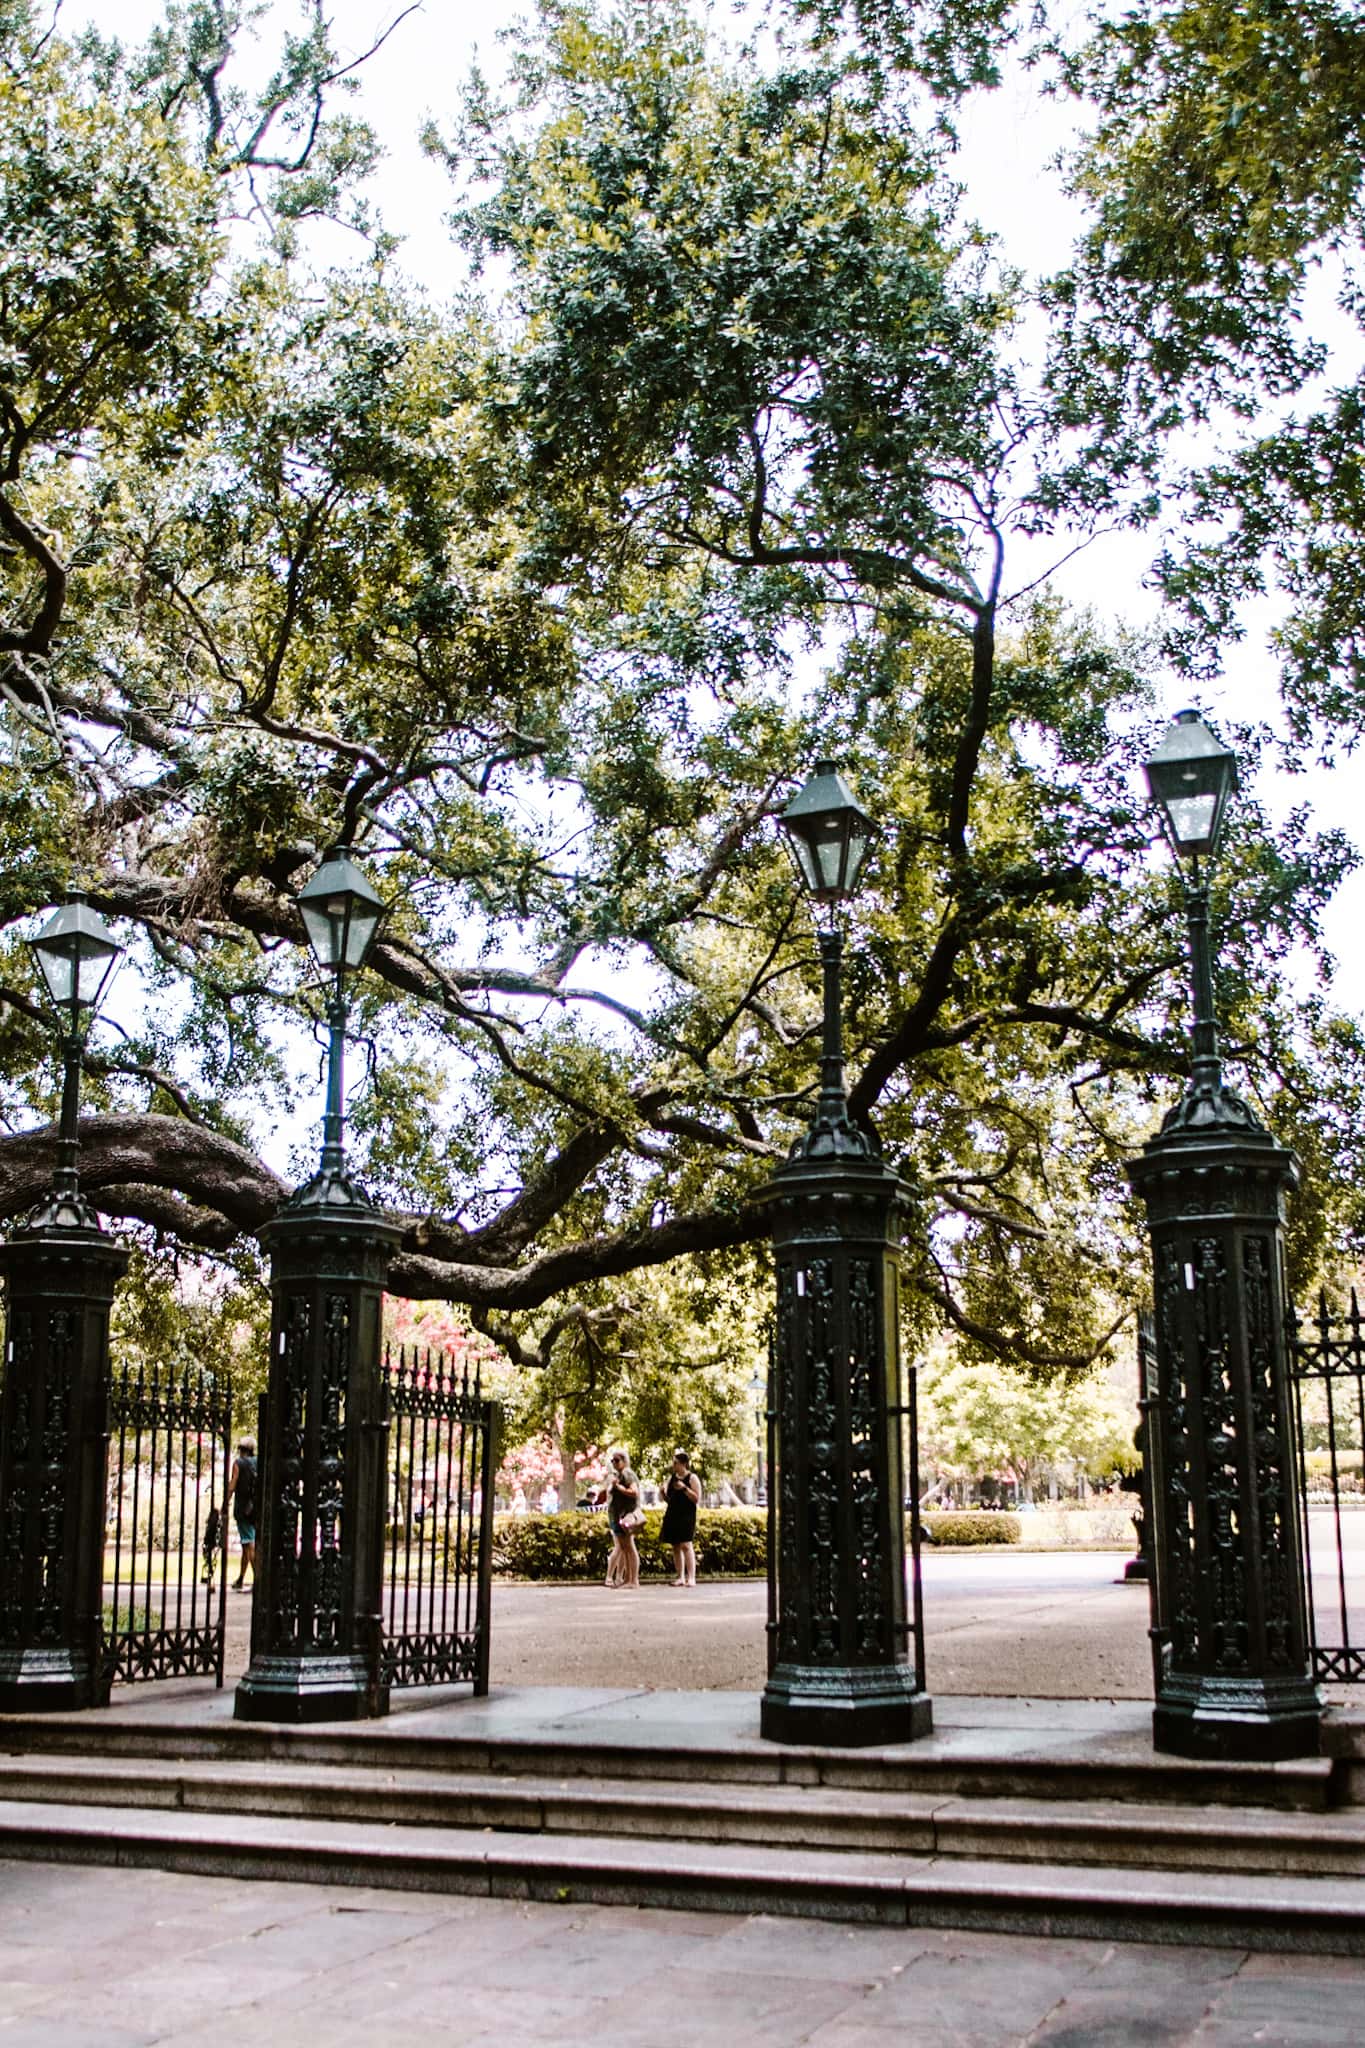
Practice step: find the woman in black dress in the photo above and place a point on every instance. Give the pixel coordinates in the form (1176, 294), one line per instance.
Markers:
(681, 1496)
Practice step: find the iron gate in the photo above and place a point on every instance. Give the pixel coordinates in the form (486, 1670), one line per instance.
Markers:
(1327, 1381)
(170, 1447)
(442, 1456)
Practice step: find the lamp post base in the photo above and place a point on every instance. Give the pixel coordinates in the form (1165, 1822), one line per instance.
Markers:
(844, 1708)
(1246, 1720)
(305, 1688)
(46, 1681)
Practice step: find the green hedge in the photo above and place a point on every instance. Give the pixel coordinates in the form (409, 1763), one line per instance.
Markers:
(732, 1541)
(972, 1525)
(1319, 1468)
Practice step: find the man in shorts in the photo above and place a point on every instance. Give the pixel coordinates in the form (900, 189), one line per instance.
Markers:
(242, 1493)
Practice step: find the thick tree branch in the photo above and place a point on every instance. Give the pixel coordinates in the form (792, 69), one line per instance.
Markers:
(173, 1174)
(912, 1033)
(36, 638)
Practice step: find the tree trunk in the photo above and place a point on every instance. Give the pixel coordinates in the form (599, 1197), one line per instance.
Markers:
(571, 1460)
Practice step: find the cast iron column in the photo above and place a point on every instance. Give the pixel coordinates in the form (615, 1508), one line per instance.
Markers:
(60, 1271)
(1233, 1677)
(316, 1615)
(842, 1673)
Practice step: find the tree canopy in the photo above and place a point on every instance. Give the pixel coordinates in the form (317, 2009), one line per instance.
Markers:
(543, 596)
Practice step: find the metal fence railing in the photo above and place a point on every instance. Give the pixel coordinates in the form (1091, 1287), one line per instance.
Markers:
(1327, 1380)
(442, 1456)
(165, 1577)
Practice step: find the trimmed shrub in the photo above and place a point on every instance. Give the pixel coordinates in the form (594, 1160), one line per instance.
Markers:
(970, 1525)
(730, 1541)
(1318, 1465)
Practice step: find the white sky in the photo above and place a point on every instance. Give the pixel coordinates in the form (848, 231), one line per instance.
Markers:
(1009, 140)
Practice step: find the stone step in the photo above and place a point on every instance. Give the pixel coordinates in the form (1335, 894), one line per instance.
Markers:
(824, 1818)
(1232, 1909)
(967, 1764)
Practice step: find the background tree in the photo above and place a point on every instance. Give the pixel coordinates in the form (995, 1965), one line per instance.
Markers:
(991, 1422)
(1223, 183)
(542, 599)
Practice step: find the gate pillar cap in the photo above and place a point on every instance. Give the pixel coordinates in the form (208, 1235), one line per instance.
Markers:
(1177, 1150)
(340, 1209)
(860, 1179)
(46, 1234)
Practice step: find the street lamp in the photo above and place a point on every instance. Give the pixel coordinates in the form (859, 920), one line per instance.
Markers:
(1231, 1662)
(838, 1669)
(76, 955)
(341, 913)
(829, 836)
(315, 1619)
(60, 1271)
(1190, 779)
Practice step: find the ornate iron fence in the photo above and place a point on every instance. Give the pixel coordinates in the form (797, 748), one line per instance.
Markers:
(442, 1456)
(165, 1588)
(1327, 1377)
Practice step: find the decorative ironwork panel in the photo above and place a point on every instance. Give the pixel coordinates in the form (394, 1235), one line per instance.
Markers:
(1275, 1534)
(816, 1279)
(1327, 1377)
(442, 1437)
(20, 1371)
(784, 1494)
(295, 1354)
(166, 1582)
(865, 1457)
(331, 1485)
(1178, 1450)
(63, 1351)
(1222, 1568)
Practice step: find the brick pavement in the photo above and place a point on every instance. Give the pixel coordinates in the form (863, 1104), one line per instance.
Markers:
(93, 1958)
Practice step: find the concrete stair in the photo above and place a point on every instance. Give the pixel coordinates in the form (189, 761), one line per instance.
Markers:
(824, 1819)
(973, 1766)
(1123, 1845)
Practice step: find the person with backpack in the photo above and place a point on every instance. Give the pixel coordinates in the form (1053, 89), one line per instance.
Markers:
(213, 1536)
(242, 1493)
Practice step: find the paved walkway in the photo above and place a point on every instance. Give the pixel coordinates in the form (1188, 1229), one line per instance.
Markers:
(1035, 1624)
(1051, 1623)
(129, 1959)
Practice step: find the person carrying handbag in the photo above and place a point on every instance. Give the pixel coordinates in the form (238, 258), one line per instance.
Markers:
(624, 1517)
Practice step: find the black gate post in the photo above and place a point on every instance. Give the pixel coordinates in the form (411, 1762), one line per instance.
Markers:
(1233, 1673)
(316, 1604)
(1234, 1677)
(60, 1274)
(841, 1672)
